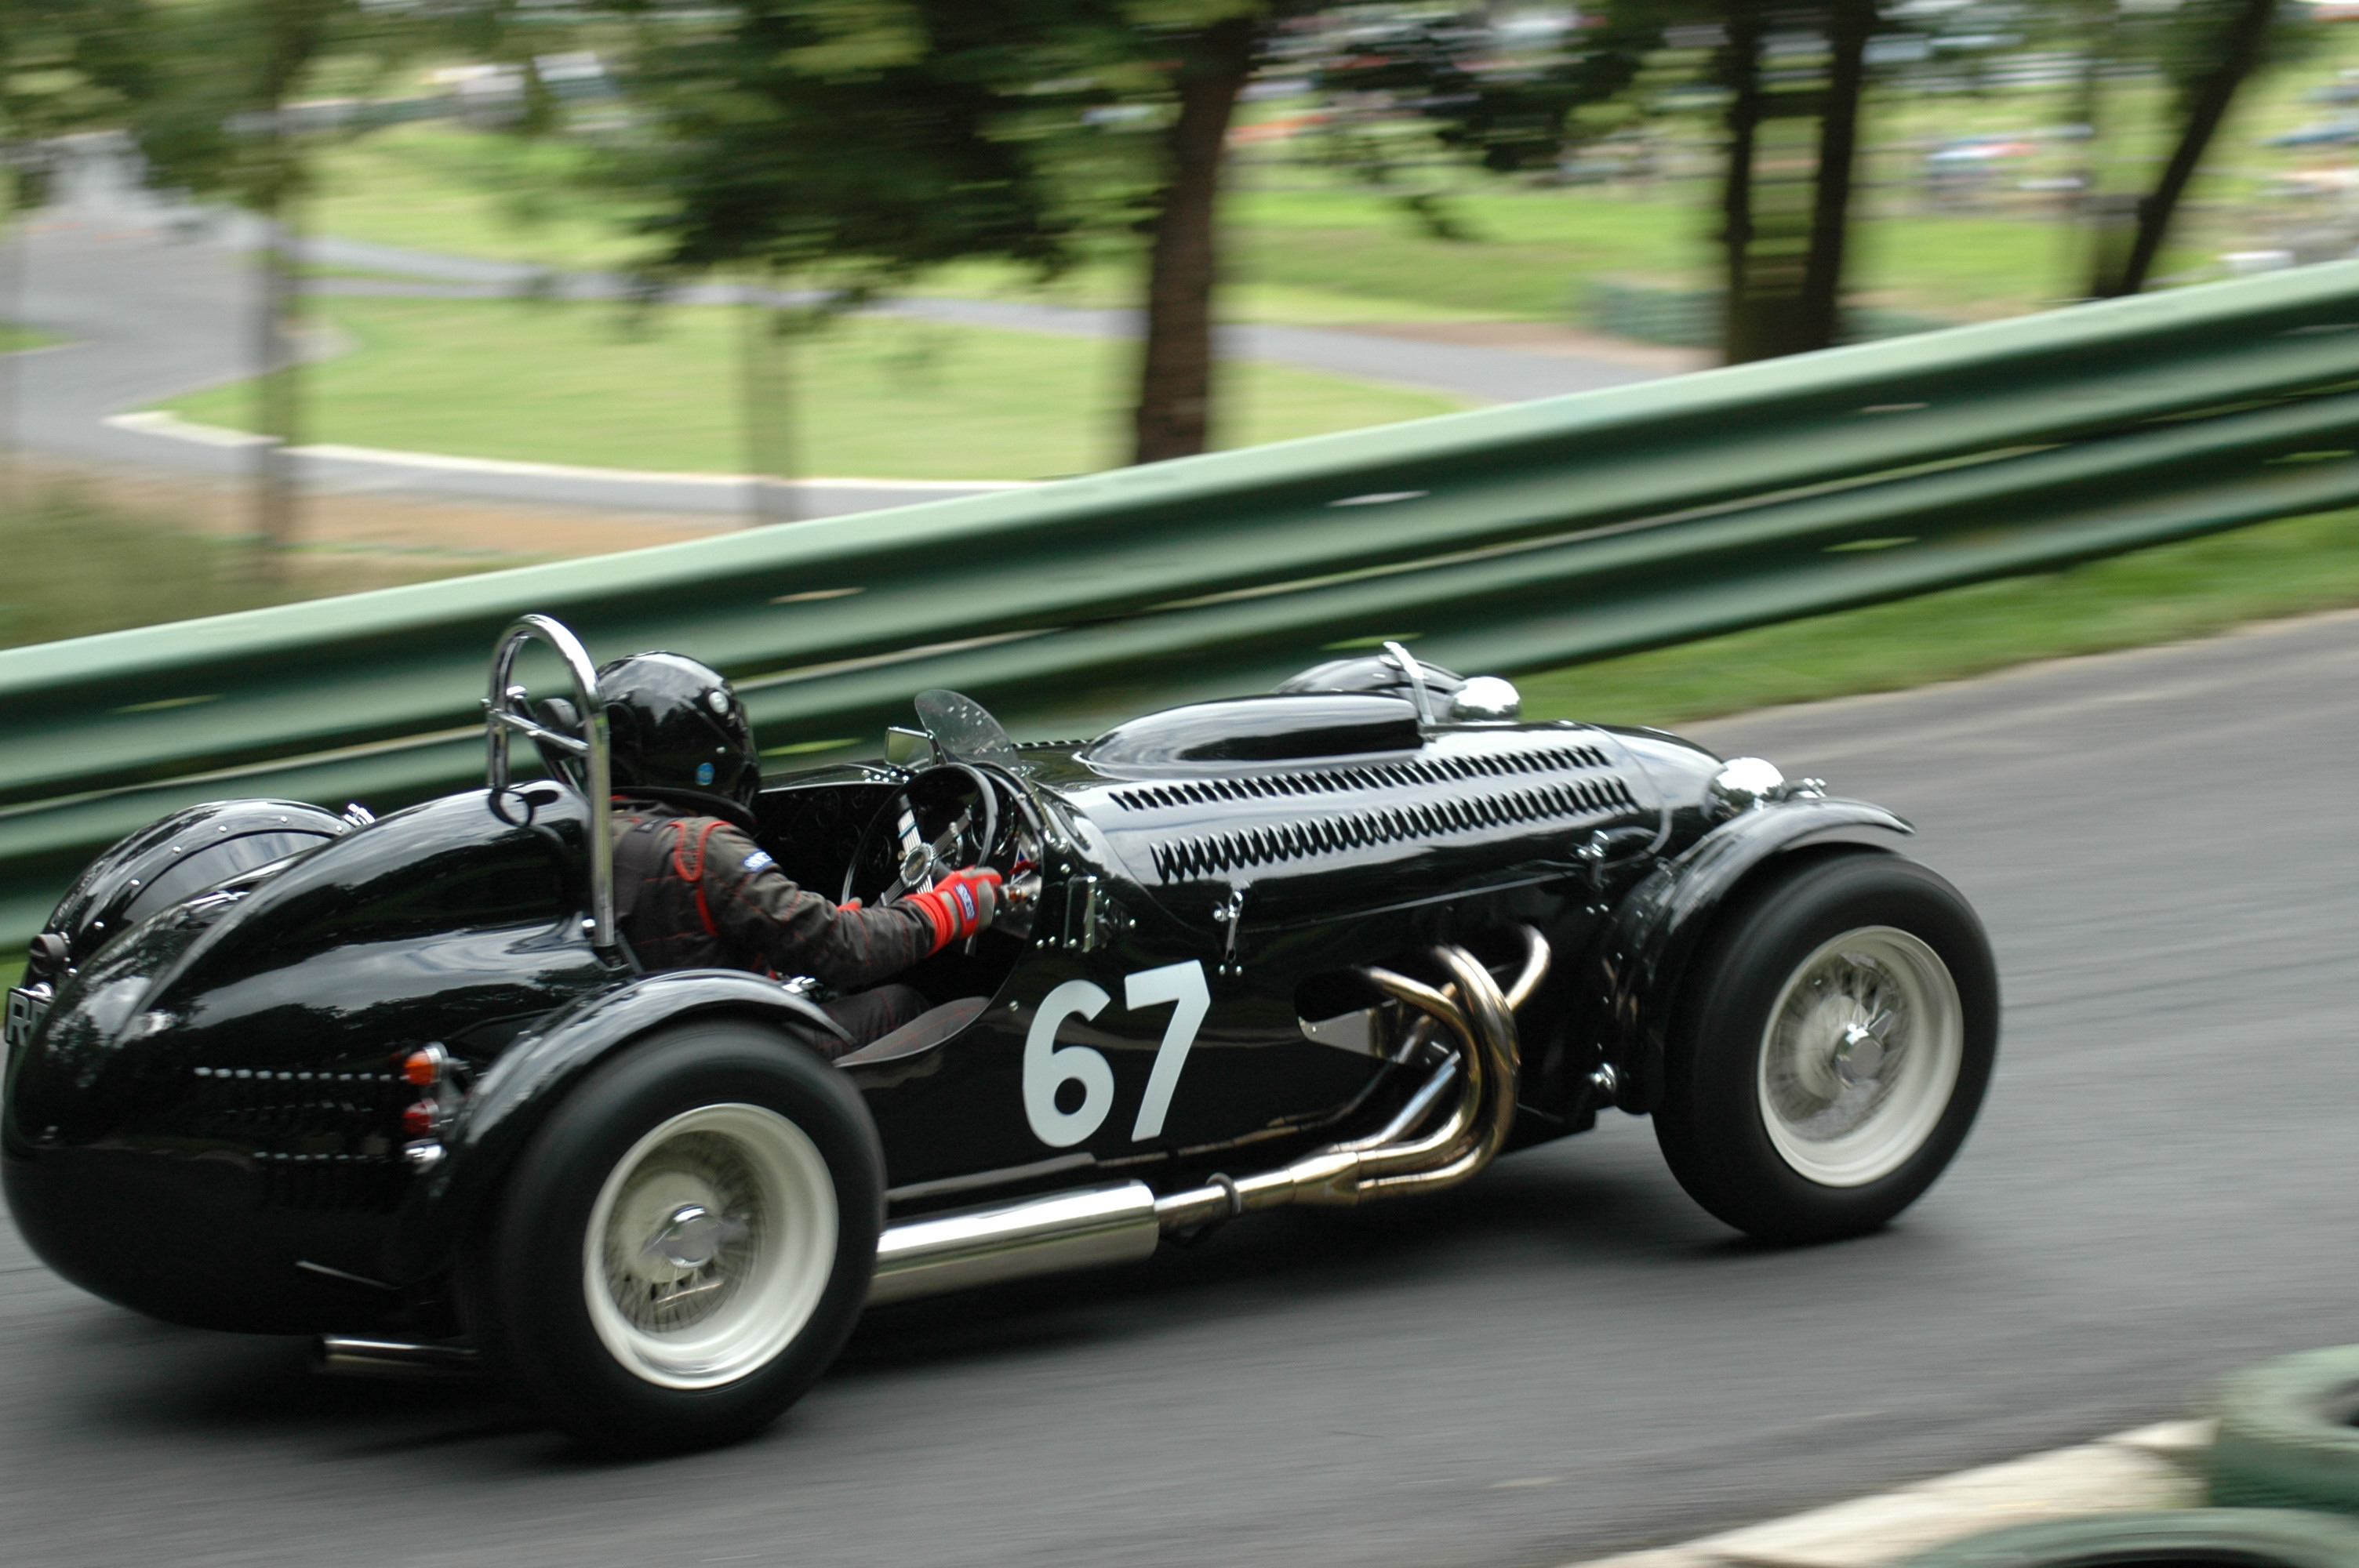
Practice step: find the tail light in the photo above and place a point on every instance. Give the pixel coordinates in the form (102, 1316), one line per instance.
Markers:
(423, 1121)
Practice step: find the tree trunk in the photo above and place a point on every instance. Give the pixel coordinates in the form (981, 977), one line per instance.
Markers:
(297, 32)
(1852, 24)
(1175, 382)
(1741, 64)
(12, 286)
(2239, 51)
(277, 391)
(770, 459)
(2103, 221)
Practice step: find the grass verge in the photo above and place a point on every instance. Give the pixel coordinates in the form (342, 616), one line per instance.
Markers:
(13, 338)
(881, 398)
(77, 566)
(480, 193)
(2165, 594)
(1303, 245)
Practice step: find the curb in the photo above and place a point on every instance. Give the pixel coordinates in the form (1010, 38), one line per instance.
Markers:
(161, 422)
(2149, 1467)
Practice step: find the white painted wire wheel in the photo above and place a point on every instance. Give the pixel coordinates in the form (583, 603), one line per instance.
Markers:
(759, 1246)
(1828, 1047)
(1834, 1123)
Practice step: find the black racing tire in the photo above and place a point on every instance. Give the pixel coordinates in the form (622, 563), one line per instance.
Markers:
(2165, 1538)
(755, 1175)
(1769, 1119)
(2286, 1438)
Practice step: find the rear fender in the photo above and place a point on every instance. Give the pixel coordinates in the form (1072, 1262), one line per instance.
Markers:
(173, 859)
(500, 1116)
(1635, 970)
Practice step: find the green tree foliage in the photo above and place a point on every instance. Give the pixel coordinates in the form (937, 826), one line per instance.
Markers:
(849, 147)
(65, 65)
(1790, 131)
(1515, 112)
(856, 143)
(860, 144)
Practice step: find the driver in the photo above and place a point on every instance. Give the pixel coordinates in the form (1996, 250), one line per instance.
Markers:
(694, 891)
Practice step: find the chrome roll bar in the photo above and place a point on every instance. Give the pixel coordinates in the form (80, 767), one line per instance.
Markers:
(505, 709)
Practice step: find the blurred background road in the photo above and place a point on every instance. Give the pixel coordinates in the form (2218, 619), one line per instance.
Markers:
(152, 300)
(1563, 1359)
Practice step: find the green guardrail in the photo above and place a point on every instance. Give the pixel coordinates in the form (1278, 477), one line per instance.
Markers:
(1504, 540)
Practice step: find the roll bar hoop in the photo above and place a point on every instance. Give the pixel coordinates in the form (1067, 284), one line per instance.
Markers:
(505, 709)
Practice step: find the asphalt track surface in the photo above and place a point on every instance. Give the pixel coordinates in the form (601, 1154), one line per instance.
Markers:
(1562, 1358)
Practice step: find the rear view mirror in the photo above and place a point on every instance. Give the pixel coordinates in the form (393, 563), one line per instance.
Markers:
(905, 747)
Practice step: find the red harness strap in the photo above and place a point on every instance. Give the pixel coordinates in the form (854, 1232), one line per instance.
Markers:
(695, 878)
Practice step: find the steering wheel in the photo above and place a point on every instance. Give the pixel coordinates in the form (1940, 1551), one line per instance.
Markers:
(952, 811)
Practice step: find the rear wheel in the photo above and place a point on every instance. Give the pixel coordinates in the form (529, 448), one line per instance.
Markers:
(684, 1246)
(1830, 1049)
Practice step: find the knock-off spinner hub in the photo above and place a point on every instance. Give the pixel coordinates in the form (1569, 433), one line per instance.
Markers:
(1860, 1054)
(689, 1236)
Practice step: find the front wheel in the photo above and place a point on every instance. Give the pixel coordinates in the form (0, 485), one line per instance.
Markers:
(686, 1244)
(1830, 1049)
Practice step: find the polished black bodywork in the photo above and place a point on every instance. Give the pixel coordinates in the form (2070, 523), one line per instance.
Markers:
(206, 1125)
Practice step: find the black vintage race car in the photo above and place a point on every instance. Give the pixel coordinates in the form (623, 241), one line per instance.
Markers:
(400, 1083)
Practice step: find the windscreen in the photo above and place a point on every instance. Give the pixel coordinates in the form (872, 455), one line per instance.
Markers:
(964, 729)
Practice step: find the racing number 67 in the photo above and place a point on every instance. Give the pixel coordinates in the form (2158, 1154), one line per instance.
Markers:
(1048, 1067)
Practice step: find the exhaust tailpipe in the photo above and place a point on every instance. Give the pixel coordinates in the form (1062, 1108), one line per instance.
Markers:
(1122, 1222)
(343, 1356)
(1095, 1227)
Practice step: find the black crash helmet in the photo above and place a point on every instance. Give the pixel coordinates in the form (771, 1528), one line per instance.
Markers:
(679, 734)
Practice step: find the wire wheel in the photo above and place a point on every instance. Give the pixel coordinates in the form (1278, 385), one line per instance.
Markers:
(710, 1245)
(1860, 1055)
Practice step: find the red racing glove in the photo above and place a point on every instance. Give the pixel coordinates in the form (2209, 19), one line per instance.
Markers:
(960, 904)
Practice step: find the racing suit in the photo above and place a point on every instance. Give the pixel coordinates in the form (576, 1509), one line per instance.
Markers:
(695, 892)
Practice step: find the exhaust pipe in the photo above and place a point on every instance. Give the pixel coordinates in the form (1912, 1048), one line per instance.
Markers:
(343, 1356)
(1094, 1228)
(1122, 1222)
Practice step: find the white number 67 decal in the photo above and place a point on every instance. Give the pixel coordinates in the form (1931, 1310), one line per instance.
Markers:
(1048, 1067)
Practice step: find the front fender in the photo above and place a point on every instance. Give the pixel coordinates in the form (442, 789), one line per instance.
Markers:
(1641, 957)
(518, 1092)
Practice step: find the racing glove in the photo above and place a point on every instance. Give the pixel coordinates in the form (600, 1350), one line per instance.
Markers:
(960, 904)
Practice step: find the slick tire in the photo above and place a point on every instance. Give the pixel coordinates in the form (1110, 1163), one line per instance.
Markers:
(1831, 1047)
(2286, 1437)
(685, 1244)
(2179, 1537)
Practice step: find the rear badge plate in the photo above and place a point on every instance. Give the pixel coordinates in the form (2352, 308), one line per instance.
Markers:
(27, 1006)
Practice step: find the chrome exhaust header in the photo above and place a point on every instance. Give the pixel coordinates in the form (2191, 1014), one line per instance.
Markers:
(1122, 1222)
(1487, 1068)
